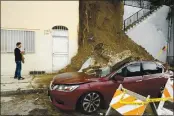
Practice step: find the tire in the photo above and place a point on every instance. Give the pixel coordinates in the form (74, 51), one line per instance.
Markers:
(90, 102)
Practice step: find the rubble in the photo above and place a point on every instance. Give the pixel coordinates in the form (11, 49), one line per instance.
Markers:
(89, 62)
(101, 36)
(99, 68)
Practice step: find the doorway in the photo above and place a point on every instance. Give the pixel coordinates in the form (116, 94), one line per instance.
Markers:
(60, 47)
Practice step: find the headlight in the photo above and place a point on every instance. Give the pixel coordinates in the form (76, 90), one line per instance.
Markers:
(65, 88)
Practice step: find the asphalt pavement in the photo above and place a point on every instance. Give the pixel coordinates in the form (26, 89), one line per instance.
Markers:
(33, 104)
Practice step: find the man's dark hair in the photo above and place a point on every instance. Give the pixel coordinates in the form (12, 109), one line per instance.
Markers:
(18, 43)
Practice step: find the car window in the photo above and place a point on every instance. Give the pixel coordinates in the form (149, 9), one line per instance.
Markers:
(151, 68)
(134, 70)
(130, 70)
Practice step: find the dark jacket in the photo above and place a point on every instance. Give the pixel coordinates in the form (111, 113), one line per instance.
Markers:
(18, 56)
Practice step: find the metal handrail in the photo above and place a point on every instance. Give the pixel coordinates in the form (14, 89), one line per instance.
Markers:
(137, 16)
(134, 14)
(139, 3)
(143, 12)
(169, 2)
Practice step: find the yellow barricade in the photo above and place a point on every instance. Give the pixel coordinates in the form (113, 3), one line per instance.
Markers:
(167, 95)
(145, 102)
(130, 104)
(126, 102)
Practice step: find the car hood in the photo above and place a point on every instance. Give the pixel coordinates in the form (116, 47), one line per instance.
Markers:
(73, 78)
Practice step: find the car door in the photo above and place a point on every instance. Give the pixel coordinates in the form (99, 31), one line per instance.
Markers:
(130, 76)
(133, 77)
(153, 78)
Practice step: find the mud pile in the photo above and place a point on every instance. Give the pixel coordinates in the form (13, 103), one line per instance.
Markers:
(101, 25)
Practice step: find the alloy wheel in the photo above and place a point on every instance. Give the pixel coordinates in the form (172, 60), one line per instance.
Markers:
(91, 102)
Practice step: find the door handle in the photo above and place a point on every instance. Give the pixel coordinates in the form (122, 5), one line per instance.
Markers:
(138, 80)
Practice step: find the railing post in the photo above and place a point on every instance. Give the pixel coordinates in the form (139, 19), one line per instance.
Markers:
(150, 9)
(137, 15)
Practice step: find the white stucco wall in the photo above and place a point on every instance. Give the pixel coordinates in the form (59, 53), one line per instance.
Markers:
(39, 16)
(152, 32)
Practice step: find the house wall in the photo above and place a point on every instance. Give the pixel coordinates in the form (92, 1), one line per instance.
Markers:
(152, 33)
(39, 16)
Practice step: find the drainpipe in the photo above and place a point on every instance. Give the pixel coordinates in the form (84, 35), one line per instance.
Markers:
(170, 55)
(169, 35)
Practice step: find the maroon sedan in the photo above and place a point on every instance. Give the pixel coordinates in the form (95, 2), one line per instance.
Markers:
(74, 90)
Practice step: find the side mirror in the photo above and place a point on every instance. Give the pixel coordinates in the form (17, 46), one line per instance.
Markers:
(118, 77)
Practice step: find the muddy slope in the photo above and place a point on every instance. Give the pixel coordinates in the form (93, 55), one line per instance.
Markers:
(101, 22)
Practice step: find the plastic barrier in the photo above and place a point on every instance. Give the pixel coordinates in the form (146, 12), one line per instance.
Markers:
(126, 102)
(167, 94)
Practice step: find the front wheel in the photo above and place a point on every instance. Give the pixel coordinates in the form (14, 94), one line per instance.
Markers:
(90, 102)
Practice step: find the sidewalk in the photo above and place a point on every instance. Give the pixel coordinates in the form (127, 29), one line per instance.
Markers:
(9, 85)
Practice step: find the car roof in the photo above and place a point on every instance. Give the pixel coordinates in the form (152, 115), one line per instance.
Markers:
(146, 61)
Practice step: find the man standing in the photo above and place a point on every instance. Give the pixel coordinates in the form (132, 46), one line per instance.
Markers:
(18, 59)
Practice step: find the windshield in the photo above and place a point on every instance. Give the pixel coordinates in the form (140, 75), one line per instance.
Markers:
(105, 71)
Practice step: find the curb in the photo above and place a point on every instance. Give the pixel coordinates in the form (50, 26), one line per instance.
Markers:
(23, 91)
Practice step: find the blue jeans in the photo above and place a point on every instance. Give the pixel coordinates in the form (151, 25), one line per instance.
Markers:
(18, 69)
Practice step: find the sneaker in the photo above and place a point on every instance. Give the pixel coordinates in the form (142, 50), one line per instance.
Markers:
(15, 77)
(21, 78)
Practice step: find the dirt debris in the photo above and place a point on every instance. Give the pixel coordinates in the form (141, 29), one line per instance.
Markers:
(102, 21)
(101, 36)
(112, 61)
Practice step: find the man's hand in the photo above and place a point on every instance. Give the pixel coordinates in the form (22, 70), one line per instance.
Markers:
(22, 52)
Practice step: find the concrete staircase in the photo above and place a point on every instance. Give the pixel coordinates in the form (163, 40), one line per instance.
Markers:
(139, 17)
(147, 10)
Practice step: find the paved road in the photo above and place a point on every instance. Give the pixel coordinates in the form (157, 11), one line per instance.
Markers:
(32, 104)
(38, 104)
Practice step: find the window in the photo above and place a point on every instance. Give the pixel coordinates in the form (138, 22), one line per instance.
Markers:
(151, 68)
(130, 70)
(9, 38)
(133, 70)
(60, 27)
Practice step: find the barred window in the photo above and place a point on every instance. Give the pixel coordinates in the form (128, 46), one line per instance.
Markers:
(9, 38)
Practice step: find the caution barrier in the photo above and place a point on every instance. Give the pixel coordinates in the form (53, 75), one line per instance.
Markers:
(168, 90)
(148, 100)
(167, 94)
(126, 102)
